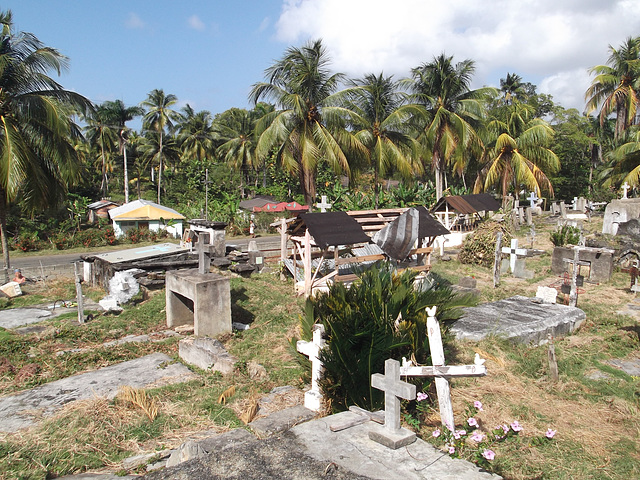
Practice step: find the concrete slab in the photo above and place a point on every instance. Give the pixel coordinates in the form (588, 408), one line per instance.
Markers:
(522, 319)
(141, 253)
(17, 317)
(630, 367)
(21, 410)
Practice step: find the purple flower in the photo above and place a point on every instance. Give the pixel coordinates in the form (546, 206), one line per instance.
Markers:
(472, 422)
(422, 396)
(477, 436)
(477, 404)
(436, 433)
(550, 433)
(505, 428)
(516, 427)
(489, 454)
(462, 432)
(452, 450)
(456, 435)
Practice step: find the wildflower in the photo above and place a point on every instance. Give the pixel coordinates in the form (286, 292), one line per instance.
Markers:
(462, 432)
(489, 454)
(436, 433)
(505, 428)
(449, 427)
(477, 404)
(516, 427)
(456, 435)
(472, 422)
(452, 450)
(477, 436)
(550, 433)
(422, 396)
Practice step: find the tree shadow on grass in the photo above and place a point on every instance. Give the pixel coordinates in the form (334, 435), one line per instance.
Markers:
(239, 313)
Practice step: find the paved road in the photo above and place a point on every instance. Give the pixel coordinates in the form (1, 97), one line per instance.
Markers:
(34, 261)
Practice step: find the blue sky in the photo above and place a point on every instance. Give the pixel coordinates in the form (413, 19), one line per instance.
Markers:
(209, 53)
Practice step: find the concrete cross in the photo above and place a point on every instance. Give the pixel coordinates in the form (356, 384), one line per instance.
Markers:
(514, 252)
(323, 205)
(204, 256)
(313, 398)
(625, 187)
(532, 199)
(441, 372)
(393, 389)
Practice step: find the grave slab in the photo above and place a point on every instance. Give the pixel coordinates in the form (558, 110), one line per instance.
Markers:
(521, 319)
(16, 317)
(630, 367)
(20, 410)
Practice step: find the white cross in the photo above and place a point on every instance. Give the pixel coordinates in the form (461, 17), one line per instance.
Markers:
(323, 205)
(625, 187)
(204, 255)
(514, 252)
(532, 199)
(393, 389)
(441, 372)
(313, 398)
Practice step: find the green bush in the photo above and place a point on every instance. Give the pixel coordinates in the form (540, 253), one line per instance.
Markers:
(27, 242)
(61, 241)
(382, 315)
(137, 235)
(88, 238)
(565, 235)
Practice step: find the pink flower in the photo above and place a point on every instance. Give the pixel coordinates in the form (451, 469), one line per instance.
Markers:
(472, 422)
(422, 396)
(477, 404)
(462, 432)
(477, 436)
(436, 433)
(452, 450)
(505, 428)
(550, 433)
(489, 454)
(516, 427)
(456, 435)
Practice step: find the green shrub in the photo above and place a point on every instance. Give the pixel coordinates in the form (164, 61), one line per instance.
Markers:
(565, 235)
(88, 238)
(382, 315)
(27, 242)
(61, 241)
(136, 235)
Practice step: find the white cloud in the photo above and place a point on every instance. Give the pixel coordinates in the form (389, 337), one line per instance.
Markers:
(195, 23)
(134, 21)
(546, 42)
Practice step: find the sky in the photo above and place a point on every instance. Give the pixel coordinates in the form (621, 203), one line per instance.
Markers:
(210, 52)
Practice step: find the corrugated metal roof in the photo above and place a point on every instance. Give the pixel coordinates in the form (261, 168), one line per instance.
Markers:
(467, 203)
(330, 229)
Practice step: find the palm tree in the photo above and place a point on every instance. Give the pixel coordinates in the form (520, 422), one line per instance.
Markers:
(616, 85)
(375, 112)
(160, 150)
(454, 110)
(196, 134)
(511, 87)
(117, 116)
(140, 162)
(626, 160)
(101, 135)
(158, 117)
(300, 85)
(519, 154)
(38, 160)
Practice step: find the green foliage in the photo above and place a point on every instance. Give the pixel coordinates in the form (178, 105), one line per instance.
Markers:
(382, 315)
(565, 235)
(479, 248)
(27, 242)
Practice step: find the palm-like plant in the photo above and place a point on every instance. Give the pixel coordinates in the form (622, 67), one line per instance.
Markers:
(518, 155)
(300, 84)
(157, 149)
(38, 160)
(511, 87)
(626, 159)
(102, 136)
(454, 111)
(196, 134)
(375, 112)
(160, 116)
(117, 115)
(616, 85)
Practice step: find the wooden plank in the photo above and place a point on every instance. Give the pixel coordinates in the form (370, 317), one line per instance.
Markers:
(354, 213)
(418, 251)
(445, 371)
(363, 258)
(346, 278)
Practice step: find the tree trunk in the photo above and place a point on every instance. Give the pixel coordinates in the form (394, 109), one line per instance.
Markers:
(160, 169)
(308, 183)
(126, 173)
(3, 229)
(103, 186)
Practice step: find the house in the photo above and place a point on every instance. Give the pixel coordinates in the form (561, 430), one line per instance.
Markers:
(146, 214)
(100, 209)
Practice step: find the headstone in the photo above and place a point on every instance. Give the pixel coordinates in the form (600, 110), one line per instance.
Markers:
(528, 216)
(626, 188)
(581, 204)
(391, 434)
(547, 294)
(313, 398)
(573, 295)
(324, 205)
(521, 215)
(532, 199)
(496, 263)
(441, 372)
(563, 210)
(256, 257)
(555, 208)
(574, 203)
(520, 270)
(513, 253)
(532, 235)
(204, 257)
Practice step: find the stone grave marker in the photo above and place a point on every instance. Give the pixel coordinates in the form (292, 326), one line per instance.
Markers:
(528, 215)
(520, 270)
(563, 210)
(514, 252)
(324, 205)
(313, 398)
(521, 215)
(532, 235)
(496, 263)
(626, 188)
(547, 294)
(532, 199)
(391, 434)
(555, 208)
(440, 371)
(204, 257)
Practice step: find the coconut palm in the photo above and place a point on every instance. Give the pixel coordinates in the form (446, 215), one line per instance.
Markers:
(626, 160)
(518, 156)
(160, 116)
(196, 134)
(38, 160)
(375, 113)
(102, 136)
(511, 87)
(117, 116)
(616, 85)
(305, 129)
(454, 111)
(159, 149)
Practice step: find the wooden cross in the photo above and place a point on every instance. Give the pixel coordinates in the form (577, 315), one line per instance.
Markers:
(514, 252)
(532, 199)
(393, 389)
(323, 205)
(204, 256)
(441, 372)
(625, 187)
(313, 398)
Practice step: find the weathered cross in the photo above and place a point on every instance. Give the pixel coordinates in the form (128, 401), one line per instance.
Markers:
(323, 205)
(532, 199)
(625, 187)
(313, 398)
(514, 252)
(204, 255)
(441, 372)
(393, 389)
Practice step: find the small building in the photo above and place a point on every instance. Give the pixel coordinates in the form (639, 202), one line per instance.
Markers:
(100, 209)
(462, 212)
(145, 214)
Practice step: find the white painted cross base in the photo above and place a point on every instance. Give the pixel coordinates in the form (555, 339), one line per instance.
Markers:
(514, 252)
(391, 435)
(313, 398)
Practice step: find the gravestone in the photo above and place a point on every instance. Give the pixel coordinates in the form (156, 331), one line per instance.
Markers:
(618, 212)
(547, 294)
(324, 205)
(528, 215)
(520, 270)
(514, 252)
(204, 256)
(532, 199)
(626, 188)
(391, 434)
(555, 208)
(599, 261)
(256, 257)
(563, 210)
(521, 215)
(313, 398)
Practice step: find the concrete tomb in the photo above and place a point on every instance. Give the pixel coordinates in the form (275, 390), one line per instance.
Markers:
(620, 211)
(521, 319)
(596, 264)
(206, 353)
